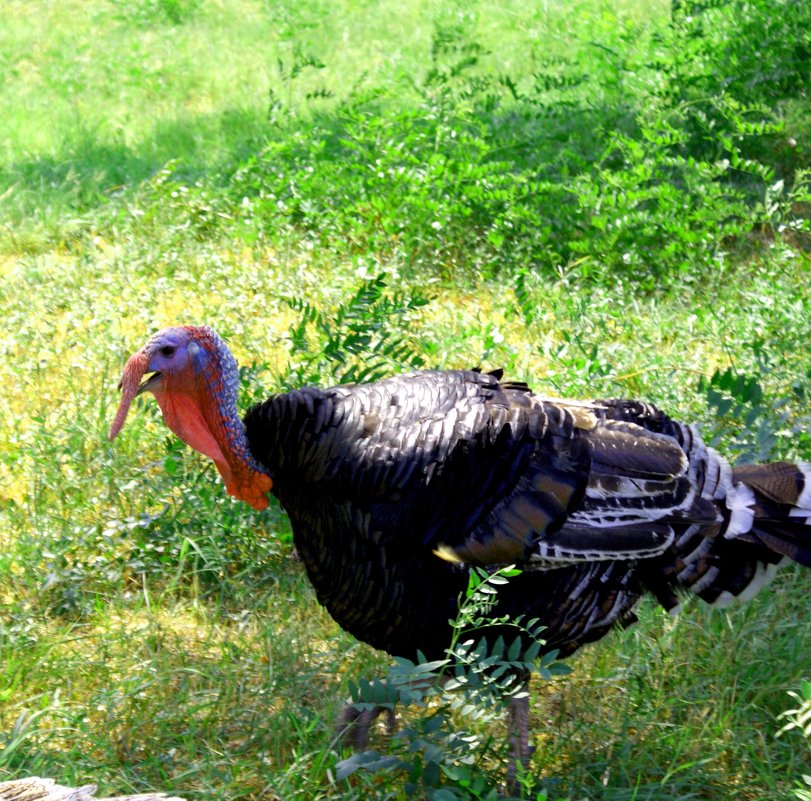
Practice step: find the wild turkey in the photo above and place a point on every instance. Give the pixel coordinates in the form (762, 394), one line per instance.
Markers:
(395, 488)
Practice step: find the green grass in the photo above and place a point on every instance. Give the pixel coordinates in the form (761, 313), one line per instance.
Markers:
(102, 95)
(598, 207)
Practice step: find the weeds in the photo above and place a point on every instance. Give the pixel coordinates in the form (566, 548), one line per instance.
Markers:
(799, 719)
(363, 339)
(485, 172)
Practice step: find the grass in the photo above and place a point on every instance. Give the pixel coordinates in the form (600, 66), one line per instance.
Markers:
(195, 161)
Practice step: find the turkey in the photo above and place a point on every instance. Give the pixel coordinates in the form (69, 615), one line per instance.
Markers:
(396, 488)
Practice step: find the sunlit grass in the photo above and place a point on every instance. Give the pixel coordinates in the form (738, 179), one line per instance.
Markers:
(218, 671)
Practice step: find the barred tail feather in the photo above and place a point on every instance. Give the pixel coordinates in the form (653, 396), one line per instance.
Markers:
(782, 507)
(764, 521)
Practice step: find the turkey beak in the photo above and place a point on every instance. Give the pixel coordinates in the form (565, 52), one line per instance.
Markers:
(130, 387)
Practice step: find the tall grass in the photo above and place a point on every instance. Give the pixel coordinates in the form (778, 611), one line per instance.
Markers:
(605, 198)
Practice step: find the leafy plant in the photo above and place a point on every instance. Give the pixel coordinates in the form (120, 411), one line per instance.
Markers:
(363, 338)
(799, 719)
(473, 683)
(150, 12)
(481, 172)
(744, 420)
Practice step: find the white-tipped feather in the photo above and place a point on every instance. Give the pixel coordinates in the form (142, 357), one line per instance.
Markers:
(723, 600)
(688, 533)
(583, 583)
(704, 547)
(611, 615)
(804, 499)
(627, 488)
(803, 513)
(724, 477)
(740, 502)
(712, 475)
(549, 555)
(763, 575)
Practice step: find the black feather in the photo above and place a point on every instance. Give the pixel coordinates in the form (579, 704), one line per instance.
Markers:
(395, 489)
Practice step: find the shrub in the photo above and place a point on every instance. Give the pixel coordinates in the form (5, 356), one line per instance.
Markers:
(650, 177)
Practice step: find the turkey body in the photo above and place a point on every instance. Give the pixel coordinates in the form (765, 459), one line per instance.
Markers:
(396, 488)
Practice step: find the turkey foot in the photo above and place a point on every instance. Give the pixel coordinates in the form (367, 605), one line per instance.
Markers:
(354, 724)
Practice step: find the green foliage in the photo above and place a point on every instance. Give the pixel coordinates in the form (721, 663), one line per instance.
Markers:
(473, 683)
(483, 172)
(762, 48)
(407, 181)
(657, 151)
(151, 12)
(799, 719)
(362, 339)
(744, 421)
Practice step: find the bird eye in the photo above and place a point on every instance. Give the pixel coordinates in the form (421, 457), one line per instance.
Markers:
(167, 350)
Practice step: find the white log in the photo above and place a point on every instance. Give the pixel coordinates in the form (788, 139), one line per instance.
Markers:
(36, 789)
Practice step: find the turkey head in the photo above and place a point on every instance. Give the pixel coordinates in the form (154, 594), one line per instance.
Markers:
(194, 378)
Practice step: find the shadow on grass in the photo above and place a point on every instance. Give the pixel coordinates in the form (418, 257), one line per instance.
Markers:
(91, 169)
(431, 153)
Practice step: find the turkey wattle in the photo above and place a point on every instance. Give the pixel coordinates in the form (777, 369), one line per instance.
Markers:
(395, 488)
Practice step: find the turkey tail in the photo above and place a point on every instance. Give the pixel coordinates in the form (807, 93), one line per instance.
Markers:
(765, 521)
(781, 507)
